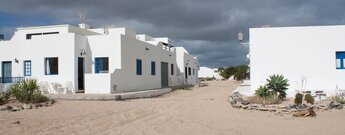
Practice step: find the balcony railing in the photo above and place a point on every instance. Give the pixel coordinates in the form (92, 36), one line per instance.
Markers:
(11, 79)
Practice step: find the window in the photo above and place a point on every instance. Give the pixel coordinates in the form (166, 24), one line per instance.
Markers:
(153, 68)
(172, 69)
(189, 71)
(340, 60)
(28, 36)
(185, 72)
(102, 65)
(139, 67)
(27, 68)
(51, 66)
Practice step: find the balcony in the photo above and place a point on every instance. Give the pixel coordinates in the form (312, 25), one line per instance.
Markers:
(11, 79)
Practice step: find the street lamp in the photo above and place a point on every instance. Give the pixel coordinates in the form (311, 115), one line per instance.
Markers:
(240, 38)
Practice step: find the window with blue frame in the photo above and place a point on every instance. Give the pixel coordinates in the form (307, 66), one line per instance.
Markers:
(340, 60)
(153, 68)
(102, 65)
(51, 66)
(139, 67)
(27, 68)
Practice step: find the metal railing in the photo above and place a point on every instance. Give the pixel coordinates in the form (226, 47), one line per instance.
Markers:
(11, 79)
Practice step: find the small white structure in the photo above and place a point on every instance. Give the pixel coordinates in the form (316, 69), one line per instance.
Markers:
(314, 54)
(206, 72)
(65, 58)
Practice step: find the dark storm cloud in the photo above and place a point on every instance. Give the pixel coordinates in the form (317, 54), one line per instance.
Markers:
(206, 28)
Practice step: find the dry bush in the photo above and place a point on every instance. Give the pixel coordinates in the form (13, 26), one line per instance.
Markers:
(274, 99)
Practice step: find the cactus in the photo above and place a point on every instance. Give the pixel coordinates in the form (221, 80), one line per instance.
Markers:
(309, 99)
(298, 98)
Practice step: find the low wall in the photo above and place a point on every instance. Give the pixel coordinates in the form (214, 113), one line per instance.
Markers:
(98, 83)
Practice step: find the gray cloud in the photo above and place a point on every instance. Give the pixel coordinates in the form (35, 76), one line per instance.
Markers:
(206, 28)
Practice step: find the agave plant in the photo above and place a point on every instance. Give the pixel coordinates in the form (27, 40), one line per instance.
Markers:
(278, 84)
(263, 91)
(27, 91)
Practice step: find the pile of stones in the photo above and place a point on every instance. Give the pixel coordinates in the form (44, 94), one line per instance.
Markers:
(237, 101)
(18, 107)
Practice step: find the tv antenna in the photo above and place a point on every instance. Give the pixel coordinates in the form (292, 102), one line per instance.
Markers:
(82, 16)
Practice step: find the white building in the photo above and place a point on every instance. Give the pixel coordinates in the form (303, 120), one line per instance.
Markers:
(206, 72)
(317, 53)
(104, 60)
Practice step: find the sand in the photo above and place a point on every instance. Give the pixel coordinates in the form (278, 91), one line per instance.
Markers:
(200, 111)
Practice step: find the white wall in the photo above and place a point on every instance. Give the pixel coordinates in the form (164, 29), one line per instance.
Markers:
(297, 51)
(132, 49)
(36, 50)
(208, 72)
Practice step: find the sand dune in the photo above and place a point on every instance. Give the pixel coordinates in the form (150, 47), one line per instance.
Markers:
(200, 111)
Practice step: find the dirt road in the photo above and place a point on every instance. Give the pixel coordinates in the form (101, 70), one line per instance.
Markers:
(200, 111)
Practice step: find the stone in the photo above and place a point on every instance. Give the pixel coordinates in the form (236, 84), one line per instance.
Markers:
(15, 108)
(245, 107)
(305, 113)
(264, 109)
(285, 110)
(282, 107)
(27, 106)
(245, 102)
(16, 122)
(334, 105)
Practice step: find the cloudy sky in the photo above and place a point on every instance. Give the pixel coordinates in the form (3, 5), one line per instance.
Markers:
(206, 28)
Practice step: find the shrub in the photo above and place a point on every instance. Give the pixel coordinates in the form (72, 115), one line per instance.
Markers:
(298, 98)
(309, 99)
(278, 84)
(27, 91)
(4, 97)
(263, 91)
(339, 99)
(273, 99)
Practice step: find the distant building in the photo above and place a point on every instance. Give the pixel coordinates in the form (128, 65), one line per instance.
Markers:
(206, 72)
(101, 60)
(314, 54)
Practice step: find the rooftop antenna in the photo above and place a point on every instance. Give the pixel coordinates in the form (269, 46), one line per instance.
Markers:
(82, 16)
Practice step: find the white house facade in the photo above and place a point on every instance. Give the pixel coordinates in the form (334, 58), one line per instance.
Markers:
(311, 58)
(69, 59)
(206, 72)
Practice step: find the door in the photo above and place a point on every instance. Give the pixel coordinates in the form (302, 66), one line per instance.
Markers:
(7, 72)
(80, 73)
(164, 74)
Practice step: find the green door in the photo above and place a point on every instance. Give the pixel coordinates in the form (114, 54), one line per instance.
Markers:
(7, 72)
(164, 74)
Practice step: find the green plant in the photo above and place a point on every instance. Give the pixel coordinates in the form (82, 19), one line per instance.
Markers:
(241, 72)
(27, 91)
(263, 91)
(339, 99)
(298, 98)
(309, 99)
(278, 84)
(4, 97)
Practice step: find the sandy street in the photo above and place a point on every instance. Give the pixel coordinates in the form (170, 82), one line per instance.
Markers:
(200, 111)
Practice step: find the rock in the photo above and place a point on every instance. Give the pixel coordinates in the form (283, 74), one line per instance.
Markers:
(245, 107)
(273, 110)
(38, 105)
(15, 108)
(282, 107)
(27, 106)
(16, 122)
(305, 113)
(285, 110)
(264, 109)
(5, 107)
(245, 102)
(293, 110)
(334, 105)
